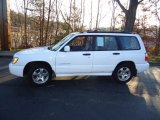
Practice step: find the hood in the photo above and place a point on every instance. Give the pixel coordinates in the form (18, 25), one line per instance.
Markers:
(33, 50)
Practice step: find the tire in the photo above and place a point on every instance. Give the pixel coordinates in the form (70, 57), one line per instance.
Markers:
(39, 75)
(123, 73)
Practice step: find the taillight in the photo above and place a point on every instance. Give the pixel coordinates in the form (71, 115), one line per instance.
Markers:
(146, 57)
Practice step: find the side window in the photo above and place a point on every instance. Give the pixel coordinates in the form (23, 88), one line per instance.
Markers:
(105, 43)
(81, 43)
(129, 43)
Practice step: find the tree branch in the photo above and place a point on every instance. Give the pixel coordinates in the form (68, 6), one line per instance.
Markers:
(65, 20)
(140, 1)
(121, 6)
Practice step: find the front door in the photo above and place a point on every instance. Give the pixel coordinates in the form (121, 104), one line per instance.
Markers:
(78, 60)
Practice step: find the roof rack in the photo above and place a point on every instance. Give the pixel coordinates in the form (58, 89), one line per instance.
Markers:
(97, 31)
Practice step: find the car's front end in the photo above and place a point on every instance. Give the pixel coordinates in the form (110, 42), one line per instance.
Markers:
(22, 58)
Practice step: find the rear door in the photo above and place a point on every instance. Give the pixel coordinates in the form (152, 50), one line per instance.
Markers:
(111, 50)
(106, 54)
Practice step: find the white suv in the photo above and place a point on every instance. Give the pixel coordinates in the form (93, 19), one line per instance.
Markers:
(121, 55)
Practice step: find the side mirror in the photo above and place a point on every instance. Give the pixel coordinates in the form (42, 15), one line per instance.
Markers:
(67, 48)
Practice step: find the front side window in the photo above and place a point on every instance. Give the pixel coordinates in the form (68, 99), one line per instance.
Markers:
(129, 43)
(81, 43)
(105, 43)
(60, 43)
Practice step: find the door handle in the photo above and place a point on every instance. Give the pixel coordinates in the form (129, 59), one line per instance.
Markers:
(86, 54)
(116, 53)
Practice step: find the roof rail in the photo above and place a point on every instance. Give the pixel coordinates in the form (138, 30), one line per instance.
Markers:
(97, 31)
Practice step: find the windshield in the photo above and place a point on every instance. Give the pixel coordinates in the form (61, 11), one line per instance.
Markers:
(61, 42)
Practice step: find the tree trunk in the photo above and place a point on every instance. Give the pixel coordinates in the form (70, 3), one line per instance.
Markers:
(57, 19)
(82, 25)
(5, 30)
(69, 17)
(113, 18)
(40, 29)
(48, 19)
(25, 24)
(90, 24)
(131, 16)
(97, 20)
(43, 15)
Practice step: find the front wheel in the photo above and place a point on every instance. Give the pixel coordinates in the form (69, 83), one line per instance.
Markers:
(123, 73)
(39, 75)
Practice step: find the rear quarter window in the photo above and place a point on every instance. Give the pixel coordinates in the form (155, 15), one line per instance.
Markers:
(128, 43)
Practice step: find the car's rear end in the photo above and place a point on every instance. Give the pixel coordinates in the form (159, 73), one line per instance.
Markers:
(142, 64)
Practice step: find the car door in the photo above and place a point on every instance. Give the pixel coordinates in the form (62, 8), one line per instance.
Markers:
(106, 54)
(78, 60)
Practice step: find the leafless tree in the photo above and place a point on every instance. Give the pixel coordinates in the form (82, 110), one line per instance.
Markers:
(75, 18)
(91, 16)
(25, 19)
(48, 21)
(98, 13)
(82, 15)
(130, 13)
(114, 16)
(156, 12)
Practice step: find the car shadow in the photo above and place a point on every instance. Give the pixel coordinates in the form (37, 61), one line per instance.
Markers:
(147, 86)
(72, 98)
(148, 82)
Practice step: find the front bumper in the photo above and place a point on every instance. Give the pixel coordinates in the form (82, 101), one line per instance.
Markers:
(16, 70)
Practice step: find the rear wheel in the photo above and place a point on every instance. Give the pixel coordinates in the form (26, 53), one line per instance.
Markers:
(123, 73)
(39, 75)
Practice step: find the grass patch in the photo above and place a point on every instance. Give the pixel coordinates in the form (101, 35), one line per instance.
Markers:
(15, 50)
(153, 58)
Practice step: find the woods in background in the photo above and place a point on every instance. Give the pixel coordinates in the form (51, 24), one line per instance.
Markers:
(45, 22)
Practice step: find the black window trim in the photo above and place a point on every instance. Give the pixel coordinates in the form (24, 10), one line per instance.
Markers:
(94, 40)
(118, 42)
(120, 47)
(105, 36)
(62, 49)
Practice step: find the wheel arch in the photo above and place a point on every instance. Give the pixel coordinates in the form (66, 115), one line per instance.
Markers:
(33, 63)
(130, 63)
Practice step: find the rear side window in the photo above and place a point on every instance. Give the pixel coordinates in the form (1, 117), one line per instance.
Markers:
(105, 43)
(128, 43)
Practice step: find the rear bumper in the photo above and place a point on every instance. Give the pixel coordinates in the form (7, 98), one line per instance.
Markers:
(142, 67)
(16, 70)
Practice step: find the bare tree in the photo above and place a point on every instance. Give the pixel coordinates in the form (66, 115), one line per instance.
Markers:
(75, 18)
(156, 11)
(57, 18)
(19, 24)
(130, 13)
(113, 18)
(39, 6)
(91, 17)
(70, 14)
(25, 19)
(43, 20)
(98, 12)
(48, 21)
(82, 15)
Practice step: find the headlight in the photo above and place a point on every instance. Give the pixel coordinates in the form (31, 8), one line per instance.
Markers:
(15, 60)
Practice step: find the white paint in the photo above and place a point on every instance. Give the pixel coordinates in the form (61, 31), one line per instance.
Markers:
(76, 63)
